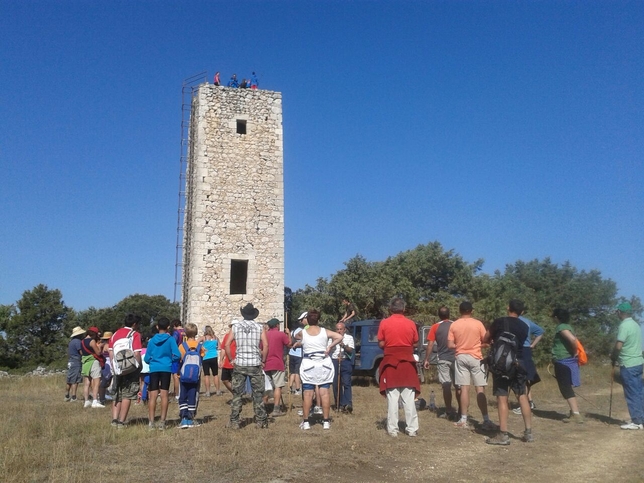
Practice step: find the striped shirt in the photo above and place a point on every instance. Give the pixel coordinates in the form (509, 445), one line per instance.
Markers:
(247, 336)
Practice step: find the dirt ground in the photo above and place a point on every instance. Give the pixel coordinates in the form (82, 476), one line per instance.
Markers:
(45, 439)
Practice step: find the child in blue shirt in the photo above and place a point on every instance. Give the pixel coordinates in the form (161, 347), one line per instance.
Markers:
(162, 351)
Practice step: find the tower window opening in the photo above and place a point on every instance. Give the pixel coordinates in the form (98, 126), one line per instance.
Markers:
(238, 276)
(241, 126)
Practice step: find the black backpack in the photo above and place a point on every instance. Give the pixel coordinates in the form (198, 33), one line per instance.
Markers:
(502, 358)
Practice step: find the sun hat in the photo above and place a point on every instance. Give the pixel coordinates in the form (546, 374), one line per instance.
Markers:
(94, 329)
(78, 330)
(107, 335)
(303, 316)
(249, 312)
(273, 323)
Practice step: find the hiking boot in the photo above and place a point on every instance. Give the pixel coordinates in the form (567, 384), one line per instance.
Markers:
(233, 425)
(151, 426)
(161, 426)
(305, 426)
(326, 424)
(277, 412)
(262, 424)
(489, 426)
(501, 439)
(527, 436)
(462, 424)
(574, 418)
(88, 404)
(632, 426)
(347, 409)
(97, 404)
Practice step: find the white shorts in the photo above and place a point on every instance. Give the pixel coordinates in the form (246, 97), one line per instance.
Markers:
(446, 372)
(468, 370)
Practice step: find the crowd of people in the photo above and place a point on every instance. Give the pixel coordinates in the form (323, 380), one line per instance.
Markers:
(251, 83)
(252, 360)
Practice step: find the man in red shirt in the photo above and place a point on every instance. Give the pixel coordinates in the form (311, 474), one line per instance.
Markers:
(274, 366)
(127, 386)
(397, 336)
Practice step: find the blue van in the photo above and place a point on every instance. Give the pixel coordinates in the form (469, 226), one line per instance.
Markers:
(368, 355)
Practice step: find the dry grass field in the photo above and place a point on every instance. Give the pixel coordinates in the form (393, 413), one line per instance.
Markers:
(46, 439)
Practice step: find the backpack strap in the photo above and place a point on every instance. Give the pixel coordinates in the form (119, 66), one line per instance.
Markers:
(184, 344)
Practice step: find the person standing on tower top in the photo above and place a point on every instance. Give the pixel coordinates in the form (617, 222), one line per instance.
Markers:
(254, 83)
(217, 81)
(233, 81)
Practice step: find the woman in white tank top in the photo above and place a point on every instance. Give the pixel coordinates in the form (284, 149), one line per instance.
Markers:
(317, 368)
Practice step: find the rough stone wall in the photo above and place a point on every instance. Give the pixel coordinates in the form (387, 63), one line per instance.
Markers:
(234, 206)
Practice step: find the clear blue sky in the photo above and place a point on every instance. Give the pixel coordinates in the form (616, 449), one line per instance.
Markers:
(505, 130)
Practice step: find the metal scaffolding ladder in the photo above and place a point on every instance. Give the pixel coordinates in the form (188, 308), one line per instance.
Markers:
(188, 91)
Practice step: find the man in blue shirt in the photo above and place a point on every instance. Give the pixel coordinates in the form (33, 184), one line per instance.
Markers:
(530, 343)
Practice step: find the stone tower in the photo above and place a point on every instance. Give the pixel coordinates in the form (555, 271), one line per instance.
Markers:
(233, 251)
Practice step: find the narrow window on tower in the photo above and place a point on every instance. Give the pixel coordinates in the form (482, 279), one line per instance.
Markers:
(241, 126)
(238, 276)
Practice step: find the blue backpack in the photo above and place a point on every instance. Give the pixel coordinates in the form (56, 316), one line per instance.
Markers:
(191, 364)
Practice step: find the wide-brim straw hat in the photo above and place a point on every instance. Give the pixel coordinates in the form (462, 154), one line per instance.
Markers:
(78, 330)
(107, 335)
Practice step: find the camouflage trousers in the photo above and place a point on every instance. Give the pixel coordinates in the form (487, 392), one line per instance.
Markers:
(256, 383)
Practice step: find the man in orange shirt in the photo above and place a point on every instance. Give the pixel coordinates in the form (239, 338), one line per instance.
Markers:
(466, 336)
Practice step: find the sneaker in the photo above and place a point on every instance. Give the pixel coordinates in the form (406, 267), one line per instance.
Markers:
(412, 434)
(462, 423)
(151, 426)
(115, 422)
(305, 426)
(298, 392)
(489, 426)
(185, 423)
(527, 436)
(161, 426)
(88, 404)
(574, 418)
(97, 404)
(207, 394)
(67, 398)
(393, 434)
(219, 393)
(317, 410)
(347, 409)
(501, 439)
(517, 411)
(74, 399)
(277, 412)
(300, 412)
(262, 424)
(632, 426)
(121, 425)
(326, 424)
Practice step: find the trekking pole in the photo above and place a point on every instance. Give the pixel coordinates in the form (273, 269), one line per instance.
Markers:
(337, 399)
(612, 379)
(288, 364)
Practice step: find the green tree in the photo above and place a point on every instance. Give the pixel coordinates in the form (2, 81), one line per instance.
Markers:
(35, 331)
(148, 307)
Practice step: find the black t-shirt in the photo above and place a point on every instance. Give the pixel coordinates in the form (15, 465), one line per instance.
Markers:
(516, 326)
(350, 309)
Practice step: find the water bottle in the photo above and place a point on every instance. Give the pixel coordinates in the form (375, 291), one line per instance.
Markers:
(432, 401)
